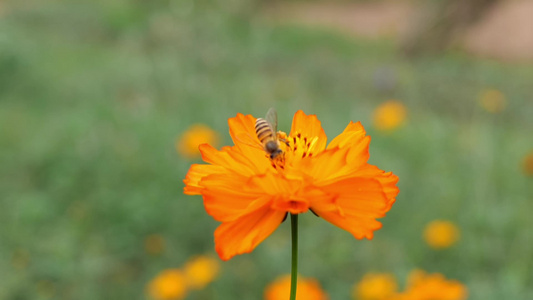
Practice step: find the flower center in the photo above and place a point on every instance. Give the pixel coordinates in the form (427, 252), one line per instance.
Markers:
(293, 148)
(302, 146)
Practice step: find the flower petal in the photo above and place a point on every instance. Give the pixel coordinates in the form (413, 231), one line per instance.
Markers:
(361, 201)
(326, 166)
(335, 164)
(240, 125)
(344, 155)
(353, 137)
(244, 234)
(252, 153)
(226, 158)
(387, 179)
(195, 175)
(309, 126)
(286, 195)
(225, 198)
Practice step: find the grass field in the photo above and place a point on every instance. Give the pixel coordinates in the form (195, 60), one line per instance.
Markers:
(93, 95)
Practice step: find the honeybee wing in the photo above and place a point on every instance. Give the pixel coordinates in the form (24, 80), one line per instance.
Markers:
(272, 118)
(249, 140)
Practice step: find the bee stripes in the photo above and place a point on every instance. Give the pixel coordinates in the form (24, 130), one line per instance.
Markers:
(263, 130)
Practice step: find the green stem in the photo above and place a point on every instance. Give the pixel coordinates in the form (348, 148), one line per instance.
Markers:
(294, 258)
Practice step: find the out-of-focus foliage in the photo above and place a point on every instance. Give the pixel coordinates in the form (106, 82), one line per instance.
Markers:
(94, 93)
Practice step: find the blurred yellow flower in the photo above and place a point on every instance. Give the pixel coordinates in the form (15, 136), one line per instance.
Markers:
(389, 115)
(441, 234)
(170, 284)
(154, 244)
(492, 100)
(308, 289)
(528, 164)
(201, 270)
(194, 136)
(375, 286)
(422, 286)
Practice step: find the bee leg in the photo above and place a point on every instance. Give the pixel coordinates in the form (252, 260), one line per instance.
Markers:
(284, 141)
(314, 213)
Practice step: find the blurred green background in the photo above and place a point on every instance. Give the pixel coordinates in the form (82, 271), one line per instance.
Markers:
(93, 95)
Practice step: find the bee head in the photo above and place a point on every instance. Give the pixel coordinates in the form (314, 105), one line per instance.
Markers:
(275, 153)
(271, 146)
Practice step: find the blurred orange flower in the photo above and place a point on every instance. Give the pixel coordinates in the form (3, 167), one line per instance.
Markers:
(389, 115)
(422, 286)
(492, 100)
(375, 286)
(168, 285)
(528, 164)
(308, 289)
(187, 144)
(441, 234)
(200, 271)
(251, 194)
(154, 244)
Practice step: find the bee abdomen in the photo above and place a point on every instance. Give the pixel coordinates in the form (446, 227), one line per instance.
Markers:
(263, 129)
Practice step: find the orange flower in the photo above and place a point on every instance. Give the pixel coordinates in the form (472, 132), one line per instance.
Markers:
(389, 115)
(251, 194)
(168, 285)
(527, 164)
(308, 289)
(492, 100)
(440, 234)
(200, 271)
(375, 287)
(194, 136)
(422, 286)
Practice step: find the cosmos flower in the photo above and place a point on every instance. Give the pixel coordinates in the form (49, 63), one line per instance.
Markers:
(375, 286)
(441, 234)
(200, 271)
(308, 289)
(170, 284)
(251, 194)
(527, 164)
(422, 286)
(389, 115)
(492, 100)
(187, 144)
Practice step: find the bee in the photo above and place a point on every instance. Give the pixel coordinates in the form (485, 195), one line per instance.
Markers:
(266, 131)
